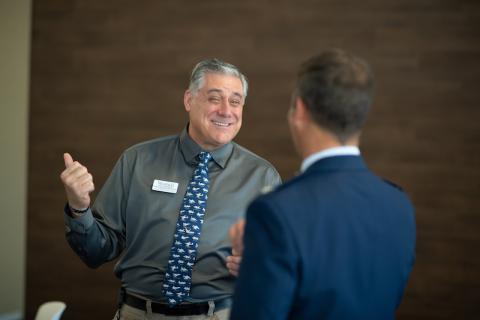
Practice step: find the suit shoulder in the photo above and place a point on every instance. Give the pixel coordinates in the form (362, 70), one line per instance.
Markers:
(282, 192)
(393, 184)
(291, 185)
(398, 192)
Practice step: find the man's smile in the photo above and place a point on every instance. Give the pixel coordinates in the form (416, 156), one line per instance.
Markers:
(221, 123)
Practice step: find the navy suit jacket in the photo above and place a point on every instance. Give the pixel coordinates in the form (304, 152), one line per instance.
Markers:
(336, 242)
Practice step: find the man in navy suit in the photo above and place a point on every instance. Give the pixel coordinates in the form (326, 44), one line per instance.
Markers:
(335, 242)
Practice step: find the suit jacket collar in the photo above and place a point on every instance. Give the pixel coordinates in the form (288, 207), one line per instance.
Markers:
(337, 163)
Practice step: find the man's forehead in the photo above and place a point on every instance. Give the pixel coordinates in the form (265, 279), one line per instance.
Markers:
(222, 83)
(222, 91)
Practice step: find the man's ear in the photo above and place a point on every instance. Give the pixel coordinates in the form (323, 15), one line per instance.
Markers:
(187, 100)
(301, 111)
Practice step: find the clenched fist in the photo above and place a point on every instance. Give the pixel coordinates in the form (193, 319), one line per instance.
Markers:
(78, 183)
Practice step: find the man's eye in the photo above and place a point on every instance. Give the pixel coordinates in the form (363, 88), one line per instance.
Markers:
(214, 99)
(235, 102)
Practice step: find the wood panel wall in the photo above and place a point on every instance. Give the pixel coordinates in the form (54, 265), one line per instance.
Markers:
(108, 74)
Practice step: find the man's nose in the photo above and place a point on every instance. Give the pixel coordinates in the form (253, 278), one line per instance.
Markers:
(225, 109)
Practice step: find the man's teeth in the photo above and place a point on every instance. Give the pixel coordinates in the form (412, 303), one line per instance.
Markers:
(221, 124)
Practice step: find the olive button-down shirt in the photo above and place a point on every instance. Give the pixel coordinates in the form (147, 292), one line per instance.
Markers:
(132, 220)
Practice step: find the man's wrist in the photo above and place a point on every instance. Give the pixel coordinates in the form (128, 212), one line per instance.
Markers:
(77, 212)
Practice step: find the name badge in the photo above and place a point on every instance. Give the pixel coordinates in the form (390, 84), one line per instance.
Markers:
(164, 186)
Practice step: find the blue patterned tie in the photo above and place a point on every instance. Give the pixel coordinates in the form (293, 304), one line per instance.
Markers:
(178, 277)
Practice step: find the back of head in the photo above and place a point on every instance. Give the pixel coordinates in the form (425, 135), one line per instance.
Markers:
(215, 65)
(337, 89)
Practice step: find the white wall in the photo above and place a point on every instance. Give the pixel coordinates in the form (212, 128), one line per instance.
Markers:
(15, 18)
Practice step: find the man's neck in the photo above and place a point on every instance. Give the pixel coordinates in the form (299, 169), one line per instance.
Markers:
(319, 140)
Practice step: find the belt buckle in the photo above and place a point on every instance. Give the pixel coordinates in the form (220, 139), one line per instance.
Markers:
(188, 309)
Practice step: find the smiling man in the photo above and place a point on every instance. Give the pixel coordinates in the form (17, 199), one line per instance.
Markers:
(168, 203)
(215, 109)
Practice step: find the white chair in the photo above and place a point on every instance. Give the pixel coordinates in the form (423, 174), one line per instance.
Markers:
(51, 310)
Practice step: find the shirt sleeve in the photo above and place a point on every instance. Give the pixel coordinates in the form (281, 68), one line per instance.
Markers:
(267, 280)
(272, 180)
(275, 178)
(98, 235)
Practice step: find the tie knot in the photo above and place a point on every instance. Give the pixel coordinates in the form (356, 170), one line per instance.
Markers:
(204, 156)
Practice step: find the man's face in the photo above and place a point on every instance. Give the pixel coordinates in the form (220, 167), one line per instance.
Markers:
(215, 110)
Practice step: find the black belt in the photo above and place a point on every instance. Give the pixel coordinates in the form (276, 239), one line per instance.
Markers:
(182, 309)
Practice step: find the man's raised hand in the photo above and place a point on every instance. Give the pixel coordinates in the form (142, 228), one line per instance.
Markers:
(78, 183)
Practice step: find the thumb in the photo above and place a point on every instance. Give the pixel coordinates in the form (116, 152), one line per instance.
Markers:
(67, 158)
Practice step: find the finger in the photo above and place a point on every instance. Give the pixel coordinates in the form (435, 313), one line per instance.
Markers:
(67, 158)
(236, 236)
(233, 234)
(233, 272)
(83, 186)
(89, 187)
(84, 179)
(72, 167)
(233, 265)
(75, 172)
(236, 230)
(234, 259)
(237, 245)
(241, 227)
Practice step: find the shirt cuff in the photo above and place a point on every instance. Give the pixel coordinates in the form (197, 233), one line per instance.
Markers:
(78, 224)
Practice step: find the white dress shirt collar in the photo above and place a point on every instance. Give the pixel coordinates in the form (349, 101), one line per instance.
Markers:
(330, 152)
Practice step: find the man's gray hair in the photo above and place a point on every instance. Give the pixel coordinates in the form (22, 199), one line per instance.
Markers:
(215, 66)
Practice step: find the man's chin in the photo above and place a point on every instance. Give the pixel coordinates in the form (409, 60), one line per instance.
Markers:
(222, 140)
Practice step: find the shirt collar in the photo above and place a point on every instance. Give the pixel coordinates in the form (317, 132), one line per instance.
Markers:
(330, 152)
(190, 149)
